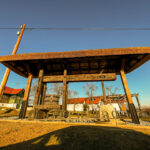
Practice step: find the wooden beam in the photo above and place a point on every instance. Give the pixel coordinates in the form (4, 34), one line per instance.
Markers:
(26, 97)
(79, 54)
(138, 102)
(64, 98)
(58, 78)
(132, 109)
(81, 78)
(43, 93)
(48, 107)
(104, 93)
(126, 87)
(14, 69)
(39, 87)
(139, 63)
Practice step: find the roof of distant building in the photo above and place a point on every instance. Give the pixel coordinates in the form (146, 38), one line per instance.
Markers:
(96, 100)
(9, 90)
(85, 100)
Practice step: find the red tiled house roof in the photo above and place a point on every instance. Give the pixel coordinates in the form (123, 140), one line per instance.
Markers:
(83, 100)
(12, 91)
(95, 101)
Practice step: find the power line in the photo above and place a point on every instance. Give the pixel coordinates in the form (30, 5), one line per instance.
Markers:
(9, 28)
(76, 29)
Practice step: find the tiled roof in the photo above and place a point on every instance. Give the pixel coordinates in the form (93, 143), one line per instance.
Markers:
(96, 100)
(83, 100)
(9, 90)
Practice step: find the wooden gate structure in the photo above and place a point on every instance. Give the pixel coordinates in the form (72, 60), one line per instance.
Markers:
(76, 66)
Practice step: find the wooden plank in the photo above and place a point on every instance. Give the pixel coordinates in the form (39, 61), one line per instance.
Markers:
(78, 54)
(139, 63)
(12, 68)
(47, 107)
(53, 78)
(109, 56)
(91, 77)
(81, 78)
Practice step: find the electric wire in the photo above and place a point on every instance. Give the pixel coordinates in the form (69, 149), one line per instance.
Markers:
(75, 29)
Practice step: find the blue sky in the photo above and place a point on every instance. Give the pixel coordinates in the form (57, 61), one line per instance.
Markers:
(78, 13)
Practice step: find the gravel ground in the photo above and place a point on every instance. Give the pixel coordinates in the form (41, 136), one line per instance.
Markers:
(142, 123)
(127, 122)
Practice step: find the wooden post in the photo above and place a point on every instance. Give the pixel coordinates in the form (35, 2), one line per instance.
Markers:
(26, 97)
(104, 93)
(43, 93)
(6, 75)
(37, 99)
(65, 85)
(132, 109)
(39, 88)
(138, 102)
(66, 94)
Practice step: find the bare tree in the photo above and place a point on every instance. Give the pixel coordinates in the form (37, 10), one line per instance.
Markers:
(115, 90)
(57, 88)
(72, 94)
(75, 93)
(110, 90)
(90, 89)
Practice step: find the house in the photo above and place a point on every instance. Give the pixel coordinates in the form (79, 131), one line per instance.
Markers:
(79, 104)
(12, 97)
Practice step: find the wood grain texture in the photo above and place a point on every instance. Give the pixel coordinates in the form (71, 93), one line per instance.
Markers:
(39, 87)
(65, 91)
(78, 53)
(78, 62)
(81, 78)
(131, 106)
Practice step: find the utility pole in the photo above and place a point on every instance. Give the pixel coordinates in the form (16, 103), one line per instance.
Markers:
(7, 72)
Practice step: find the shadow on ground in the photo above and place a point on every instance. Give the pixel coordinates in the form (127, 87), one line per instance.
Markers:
(8, 111)
(88, 138)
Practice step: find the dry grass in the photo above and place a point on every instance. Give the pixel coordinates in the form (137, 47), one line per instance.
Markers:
(8, 112)
(36, 135)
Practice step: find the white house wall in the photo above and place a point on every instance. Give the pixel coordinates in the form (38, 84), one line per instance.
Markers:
(70, 107)
(78, 107)
(8, 105)
(95, 107)
(116, 106)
